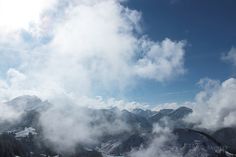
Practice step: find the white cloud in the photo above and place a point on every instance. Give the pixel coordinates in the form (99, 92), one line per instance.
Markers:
(161, 61)
(67, 125)
(16, 15)
(162, 145)
(15, 84)
(100, 103)
(173, 105)
(215, 105)
(230, 56)
(97, 46)
(8, 113)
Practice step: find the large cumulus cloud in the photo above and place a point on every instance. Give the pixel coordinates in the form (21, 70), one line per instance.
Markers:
(87, 48)
(215, 105)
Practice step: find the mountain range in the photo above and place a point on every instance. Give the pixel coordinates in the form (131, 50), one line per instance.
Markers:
(25, 136)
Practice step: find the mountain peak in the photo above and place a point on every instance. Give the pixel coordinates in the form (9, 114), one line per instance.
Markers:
(27, 103)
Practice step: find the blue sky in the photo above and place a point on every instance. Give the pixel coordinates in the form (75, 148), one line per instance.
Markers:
(209, 29)
(153, 51)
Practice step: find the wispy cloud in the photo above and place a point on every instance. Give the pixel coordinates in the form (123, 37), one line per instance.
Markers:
(230, 56)
(162, 145)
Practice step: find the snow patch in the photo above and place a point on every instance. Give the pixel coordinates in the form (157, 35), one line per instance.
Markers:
(26, 132)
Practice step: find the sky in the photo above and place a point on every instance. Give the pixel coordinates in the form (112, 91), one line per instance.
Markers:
(151, 52)
(209, 29)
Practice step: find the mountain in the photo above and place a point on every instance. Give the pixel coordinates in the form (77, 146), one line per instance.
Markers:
(175, 115)
(188, 138)
(227, 137)
(28, 103)
(161, 114)
(30, 146)
(25, 137)
(144, 113)
(180, 113)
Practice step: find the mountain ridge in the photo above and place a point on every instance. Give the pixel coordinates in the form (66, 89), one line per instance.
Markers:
(26, 137)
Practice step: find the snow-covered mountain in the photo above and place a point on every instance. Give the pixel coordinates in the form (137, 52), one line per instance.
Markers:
(28, 103)
(26, 136)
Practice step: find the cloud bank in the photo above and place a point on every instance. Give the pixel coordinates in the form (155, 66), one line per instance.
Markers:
(215, 105)
(67, 126)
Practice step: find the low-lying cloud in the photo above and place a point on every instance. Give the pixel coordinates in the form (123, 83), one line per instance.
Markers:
(67, 126)
(8, 113)
(215, 105)
(162, 145)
